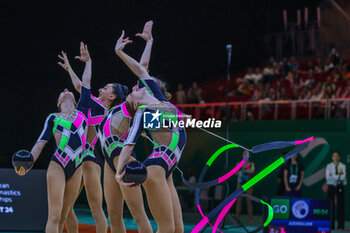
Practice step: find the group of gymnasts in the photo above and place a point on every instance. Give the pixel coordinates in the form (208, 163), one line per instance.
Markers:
(115, 119)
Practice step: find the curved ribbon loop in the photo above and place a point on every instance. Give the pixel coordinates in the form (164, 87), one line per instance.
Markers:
(222, 209)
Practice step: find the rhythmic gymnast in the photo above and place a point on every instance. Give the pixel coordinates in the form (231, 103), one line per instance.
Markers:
(69, 128)
(168, 145)
(109, 96)
(112, 133)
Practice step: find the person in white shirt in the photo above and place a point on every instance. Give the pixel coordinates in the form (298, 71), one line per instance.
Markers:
(257, 76)
(268, 73)
(249, 75)
(336, 179)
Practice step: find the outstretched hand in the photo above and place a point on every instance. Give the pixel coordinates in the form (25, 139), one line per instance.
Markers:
(147, 31)
(84, 53)
(121, 42)
(64, 58)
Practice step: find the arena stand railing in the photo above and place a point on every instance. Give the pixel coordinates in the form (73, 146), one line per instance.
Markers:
(271, 110)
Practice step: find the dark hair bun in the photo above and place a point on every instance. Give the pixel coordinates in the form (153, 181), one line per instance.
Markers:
(125, 90)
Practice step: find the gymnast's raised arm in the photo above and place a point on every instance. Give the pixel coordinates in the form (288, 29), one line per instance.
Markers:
(66, 66)
(134, 66)
(84, 57)
(147, 36)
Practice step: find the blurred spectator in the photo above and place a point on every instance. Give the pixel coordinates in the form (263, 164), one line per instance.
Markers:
(309, 80)
(252, 77)
(346, 72)
(319, 66)
(329, 65)
(272, 61)
(295, 95)
(266, 93)
(328, 83)
(293, 63)
(268, 73)
(278, 69)
(192, 175)
(293, 177)
(296, 74)
(336, 74)
(194, 94)
(346, 92)
(290, 78)
(336, 179)
(334, 57)
(244, 89)
(310, 66)
(282, 94)
(341, 108)
(257, 76)
(328, 93)
(257, 94)
(180, 95)
(272, 95)
(317, 93)
(249, 75)
(304, 95)
(284, 66)
(244, 175)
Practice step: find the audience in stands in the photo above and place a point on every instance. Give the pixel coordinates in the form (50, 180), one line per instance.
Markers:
(288, 79)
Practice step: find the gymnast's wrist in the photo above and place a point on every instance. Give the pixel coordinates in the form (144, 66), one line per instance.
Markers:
(149, 41)
(67, 68)
(118, 52)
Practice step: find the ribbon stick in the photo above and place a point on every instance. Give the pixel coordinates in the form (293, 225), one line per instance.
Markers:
(226, 140)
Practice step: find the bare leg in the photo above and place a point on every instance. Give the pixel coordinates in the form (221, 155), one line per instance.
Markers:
(238, 204)
(114, 199)
(250, 206)
(72, 223)
(134, 200)
(93, 188)
(56, 182)
(179, 226)
(71, 193)
(159, 199)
